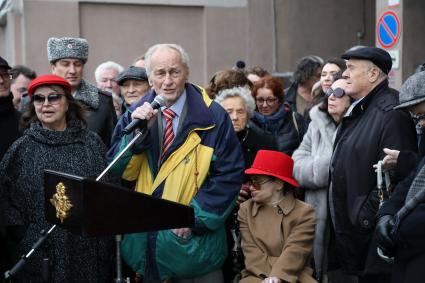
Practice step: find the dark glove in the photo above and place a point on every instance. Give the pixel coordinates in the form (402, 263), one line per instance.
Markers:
(383, 232)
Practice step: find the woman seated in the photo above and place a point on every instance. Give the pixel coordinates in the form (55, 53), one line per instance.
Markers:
(277, 229)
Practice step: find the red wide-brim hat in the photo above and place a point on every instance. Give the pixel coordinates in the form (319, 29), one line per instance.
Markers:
(273, 163)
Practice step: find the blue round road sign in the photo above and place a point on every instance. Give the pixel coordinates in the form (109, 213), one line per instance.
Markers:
(388, 29)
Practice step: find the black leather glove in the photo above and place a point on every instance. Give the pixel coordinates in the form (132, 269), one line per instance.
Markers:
(383, 233)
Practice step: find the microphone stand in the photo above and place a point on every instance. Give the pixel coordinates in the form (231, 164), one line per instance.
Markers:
(45, 234)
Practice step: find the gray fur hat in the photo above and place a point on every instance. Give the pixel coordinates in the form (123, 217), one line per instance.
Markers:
(412, 91)
(67, 47)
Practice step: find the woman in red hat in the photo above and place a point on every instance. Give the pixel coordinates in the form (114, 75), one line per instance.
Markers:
(277, 229)
(56, 138)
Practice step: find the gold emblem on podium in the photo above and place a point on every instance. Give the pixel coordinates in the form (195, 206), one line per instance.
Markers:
(61, 202)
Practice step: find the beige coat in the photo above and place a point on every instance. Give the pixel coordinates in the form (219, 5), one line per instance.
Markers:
(277, 240)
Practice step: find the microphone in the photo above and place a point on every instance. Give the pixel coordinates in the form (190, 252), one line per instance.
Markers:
(157, 103)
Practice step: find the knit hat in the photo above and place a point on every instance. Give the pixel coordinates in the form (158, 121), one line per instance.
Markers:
(377, 56)
(49, 80)
(412, 91)
(132, 73)
(273, 163)
(67, 47)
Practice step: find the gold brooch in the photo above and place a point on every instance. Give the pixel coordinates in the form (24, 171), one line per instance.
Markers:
(61, 202)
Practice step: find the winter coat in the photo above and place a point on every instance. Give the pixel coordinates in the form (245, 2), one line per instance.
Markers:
(102, 117)
(75, 151)
(311, 170)
(409, 239)
(360, 139)
(203, 168)
(285, 126)
(277, 240)
(252, 139)
(9, 122)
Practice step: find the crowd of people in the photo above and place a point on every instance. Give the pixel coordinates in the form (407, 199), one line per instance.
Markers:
(282, 181)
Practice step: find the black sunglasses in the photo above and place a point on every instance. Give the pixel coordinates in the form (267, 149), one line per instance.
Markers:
(52, 98)
(338, 92)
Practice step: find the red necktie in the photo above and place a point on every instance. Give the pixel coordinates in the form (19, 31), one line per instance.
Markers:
(168, 132)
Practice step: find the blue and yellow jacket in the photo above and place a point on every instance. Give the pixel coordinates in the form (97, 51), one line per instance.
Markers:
(203, 169)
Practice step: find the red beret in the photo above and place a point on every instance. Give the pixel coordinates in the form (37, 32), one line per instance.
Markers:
(48, 80)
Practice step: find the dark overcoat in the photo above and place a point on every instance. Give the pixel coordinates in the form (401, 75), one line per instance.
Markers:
(372, 126)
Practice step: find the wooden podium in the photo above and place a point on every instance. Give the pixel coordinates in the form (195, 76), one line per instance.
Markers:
(91, 208)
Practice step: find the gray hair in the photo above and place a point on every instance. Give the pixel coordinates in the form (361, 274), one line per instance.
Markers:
(242, 92)
(156, 47)
(105, 66)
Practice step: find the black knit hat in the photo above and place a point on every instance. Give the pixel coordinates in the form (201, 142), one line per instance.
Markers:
(378, 56)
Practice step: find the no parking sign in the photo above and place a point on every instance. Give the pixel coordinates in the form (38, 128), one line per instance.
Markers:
(388, 29)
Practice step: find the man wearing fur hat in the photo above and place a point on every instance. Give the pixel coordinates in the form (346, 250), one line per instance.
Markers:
(370, 125)
(67, 56)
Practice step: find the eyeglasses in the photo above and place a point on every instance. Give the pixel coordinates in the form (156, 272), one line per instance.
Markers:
(52, 98)
(269, 101)
(417, 118)
(5, 76)
(338, 92)
(258, 183)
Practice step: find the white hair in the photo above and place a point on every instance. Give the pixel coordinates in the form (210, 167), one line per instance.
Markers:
(183, 54)
(105, 66)
(242, 92)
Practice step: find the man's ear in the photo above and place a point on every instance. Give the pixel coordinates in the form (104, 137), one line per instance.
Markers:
(53, 68)
(374, 74)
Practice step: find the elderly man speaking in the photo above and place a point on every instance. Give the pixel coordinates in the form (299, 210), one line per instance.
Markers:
(370, 125)
(191, 155)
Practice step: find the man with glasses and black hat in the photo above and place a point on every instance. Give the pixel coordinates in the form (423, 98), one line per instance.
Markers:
(67, 57)
(370, 125)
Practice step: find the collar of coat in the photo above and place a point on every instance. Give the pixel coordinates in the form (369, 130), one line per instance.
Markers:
(88, 94)
(286, 205)
(372, 96)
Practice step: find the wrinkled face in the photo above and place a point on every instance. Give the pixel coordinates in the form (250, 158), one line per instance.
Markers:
(264, 189)
(69, 69)
(418, 113)
(51, 112)
(357, 75)
(327, 75)
(18, 87)
(338, 106)
(236, 108)
(133, 90)
(168, 74)
(267, 103)
(4, 82)
(107, 81)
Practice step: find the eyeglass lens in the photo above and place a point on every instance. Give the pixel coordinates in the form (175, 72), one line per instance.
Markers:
(338, 92)
(269, 101)
(52, 98)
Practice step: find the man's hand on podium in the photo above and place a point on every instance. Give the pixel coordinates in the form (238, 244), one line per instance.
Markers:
(182, 232)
